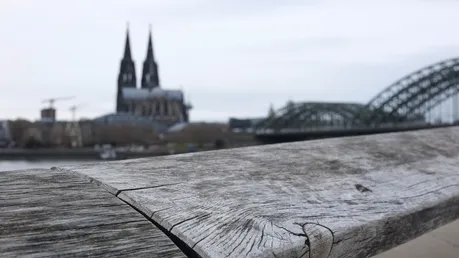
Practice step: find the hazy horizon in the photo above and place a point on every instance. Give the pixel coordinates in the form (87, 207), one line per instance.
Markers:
(232, 58)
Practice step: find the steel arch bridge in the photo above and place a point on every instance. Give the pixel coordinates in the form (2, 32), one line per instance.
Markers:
(318, 114)
(405, 101)
(417, 93)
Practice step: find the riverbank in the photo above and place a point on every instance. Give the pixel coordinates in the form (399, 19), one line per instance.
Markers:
(93, 154)
(10, 165)
(72, 154)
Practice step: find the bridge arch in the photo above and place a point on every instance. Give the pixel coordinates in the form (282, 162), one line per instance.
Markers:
(303, 115)
(417, 93)
(407, 100)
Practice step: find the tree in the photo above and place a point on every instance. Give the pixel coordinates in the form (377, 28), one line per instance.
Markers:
(290, 106)
(18, 128)
(271, 112)
(219, 143)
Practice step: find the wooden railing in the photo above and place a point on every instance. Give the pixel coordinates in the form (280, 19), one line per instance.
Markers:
(343, 197)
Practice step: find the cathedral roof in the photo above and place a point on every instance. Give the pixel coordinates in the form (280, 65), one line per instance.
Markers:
(136, 93)
(126, 118)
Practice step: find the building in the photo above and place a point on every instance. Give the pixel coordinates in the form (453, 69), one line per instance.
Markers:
(48, 114)
(243, 124)
(124, 119)
(5, 136)
(150, 100)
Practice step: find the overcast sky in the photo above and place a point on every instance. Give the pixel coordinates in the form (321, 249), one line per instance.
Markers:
(231, 57)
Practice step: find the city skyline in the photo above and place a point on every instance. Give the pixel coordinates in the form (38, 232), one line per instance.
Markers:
(232, 58)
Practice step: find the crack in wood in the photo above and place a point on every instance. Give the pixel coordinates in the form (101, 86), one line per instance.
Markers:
(181, 222)
(262, 235)
(186, 249)
(430, 192)
(142, 188)
(362, 188)
(153, 213)
(245, 228)
(311, 237)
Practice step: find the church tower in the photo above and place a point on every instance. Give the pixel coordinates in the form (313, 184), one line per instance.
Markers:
(126, 76)
(150, 77)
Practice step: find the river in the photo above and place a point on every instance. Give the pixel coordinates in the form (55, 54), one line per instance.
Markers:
(23, 164)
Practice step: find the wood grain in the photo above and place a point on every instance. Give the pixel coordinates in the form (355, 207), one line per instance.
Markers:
(45, 213)
(346, 197)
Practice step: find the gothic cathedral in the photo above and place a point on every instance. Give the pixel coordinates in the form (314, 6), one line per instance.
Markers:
(150, 100)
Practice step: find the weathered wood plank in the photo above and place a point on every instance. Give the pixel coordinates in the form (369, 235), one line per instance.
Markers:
(347, 197)
(46, 213)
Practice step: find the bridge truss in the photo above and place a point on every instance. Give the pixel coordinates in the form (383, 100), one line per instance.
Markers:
(406, 101)
(417, 93)
(314, 114)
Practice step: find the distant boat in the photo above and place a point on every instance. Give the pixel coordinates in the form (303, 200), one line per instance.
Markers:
(107, 152)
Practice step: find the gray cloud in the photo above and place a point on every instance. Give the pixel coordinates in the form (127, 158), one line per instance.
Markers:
(179, 11)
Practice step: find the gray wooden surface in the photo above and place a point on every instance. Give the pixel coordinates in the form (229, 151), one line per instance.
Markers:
(345, 197)
(45, 213)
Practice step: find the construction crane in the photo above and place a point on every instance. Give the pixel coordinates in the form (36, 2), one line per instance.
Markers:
(52, 100)
(73, 109)
(73, 129)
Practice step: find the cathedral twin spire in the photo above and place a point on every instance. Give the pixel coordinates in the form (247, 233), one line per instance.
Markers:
(150, 77)
(127, 46)
(127, 76)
